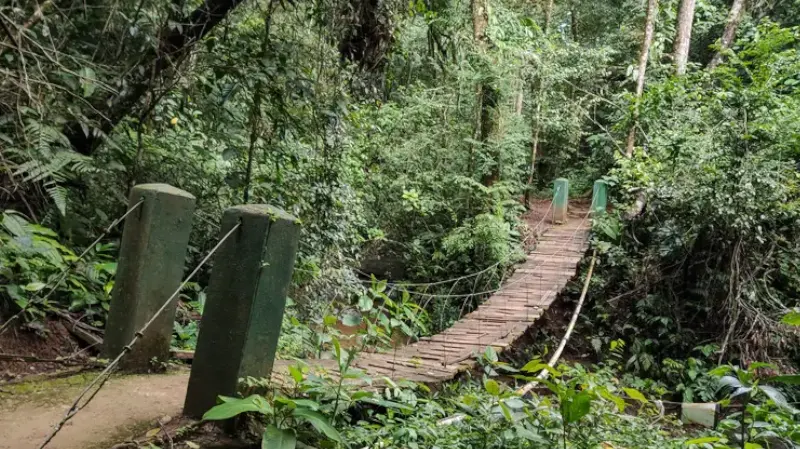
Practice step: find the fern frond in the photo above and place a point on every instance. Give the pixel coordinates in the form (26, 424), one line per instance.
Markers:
(58, 194)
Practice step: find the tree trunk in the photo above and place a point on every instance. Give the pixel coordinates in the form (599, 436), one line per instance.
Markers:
(174, 46)
(480, 21)
(734, 17)
(534, 152)
(486, 94)
(573, 23)
(683, 35)
(649, 29)
(548, 15)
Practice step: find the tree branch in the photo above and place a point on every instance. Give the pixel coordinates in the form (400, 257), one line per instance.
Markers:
(174, 47)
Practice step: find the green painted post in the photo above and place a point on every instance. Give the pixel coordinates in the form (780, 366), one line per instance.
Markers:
(244, 309)
(151, 260)
(600, 197)
(560, 200)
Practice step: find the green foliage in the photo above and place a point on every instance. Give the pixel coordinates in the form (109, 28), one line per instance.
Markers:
(764, 417)
(33, 262)
(713, 251)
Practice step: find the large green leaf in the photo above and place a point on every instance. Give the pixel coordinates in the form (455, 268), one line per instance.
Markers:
(319, 422)
(365, 303)
(233, 407)
(777, 397)
(576, 407)
(704, 440)
(351, 319)
(14, 224)
(506, 412)
(791, 379)
(491, 387)
(791, 318)
(275, 438)
(729, 382)
(634, 394)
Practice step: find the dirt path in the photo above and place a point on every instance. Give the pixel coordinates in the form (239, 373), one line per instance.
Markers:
(127, 405)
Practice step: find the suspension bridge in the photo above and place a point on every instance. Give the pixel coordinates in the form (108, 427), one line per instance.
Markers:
(498, 322)
(253, 262)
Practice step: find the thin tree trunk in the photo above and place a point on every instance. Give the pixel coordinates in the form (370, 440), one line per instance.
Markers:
(734, 17)
(486, 94)
(534, 152)
(573, 23)
(480, 20)
(548, 15)
(683, 35)
(649, 29)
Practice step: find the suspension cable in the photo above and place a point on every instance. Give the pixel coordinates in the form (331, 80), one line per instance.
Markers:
(490, 267)
(70, 267)
(101, 378)
(521, 279)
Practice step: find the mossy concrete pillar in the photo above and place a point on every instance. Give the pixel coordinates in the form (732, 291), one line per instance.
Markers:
(599, 197)
(150, 267)
(560, 200)
(244, 307)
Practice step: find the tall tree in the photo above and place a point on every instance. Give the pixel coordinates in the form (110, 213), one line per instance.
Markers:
(548, 15)
(486, 93)
(480, 22)
(734, 17)
(683, 35)
(644, 54)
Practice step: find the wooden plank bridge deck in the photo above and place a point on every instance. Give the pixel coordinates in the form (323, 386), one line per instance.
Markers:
(498, 322)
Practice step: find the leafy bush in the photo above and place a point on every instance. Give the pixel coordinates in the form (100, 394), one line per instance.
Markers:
(712, 253)
(33, 262)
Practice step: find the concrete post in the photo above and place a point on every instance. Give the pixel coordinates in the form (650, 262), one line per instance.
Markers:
(244, 309)
(599, 197)
(560, 200)
(150, 267)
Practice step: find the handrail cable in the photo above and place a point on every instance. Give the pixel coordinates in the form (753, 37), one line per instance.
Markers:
(101, 378)
(69, 267)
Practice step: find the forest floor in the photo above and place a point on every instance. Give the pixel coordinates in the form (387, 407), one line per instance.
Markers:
(127, 406)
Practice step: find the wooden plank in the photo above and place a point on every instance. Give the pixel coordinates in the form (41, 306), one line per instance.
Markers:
(498, 322)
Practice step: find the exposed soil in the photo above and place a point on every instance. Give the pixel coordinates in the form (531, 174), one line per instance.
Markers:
(26, 350)
(187, 434)
(126, 407)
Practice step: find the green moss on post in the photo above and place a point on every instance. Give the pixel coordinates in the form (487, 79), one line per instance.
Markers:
(244, 310)
(599, 197)
(150, 268)
(560, 200)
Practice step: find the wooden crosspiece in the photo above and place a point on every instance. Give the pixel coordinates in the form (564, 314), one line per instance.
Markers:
(498, 322)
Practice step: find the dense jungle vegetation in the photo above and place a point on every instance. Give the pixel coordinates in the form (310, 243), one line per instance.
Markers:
(409, 138)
